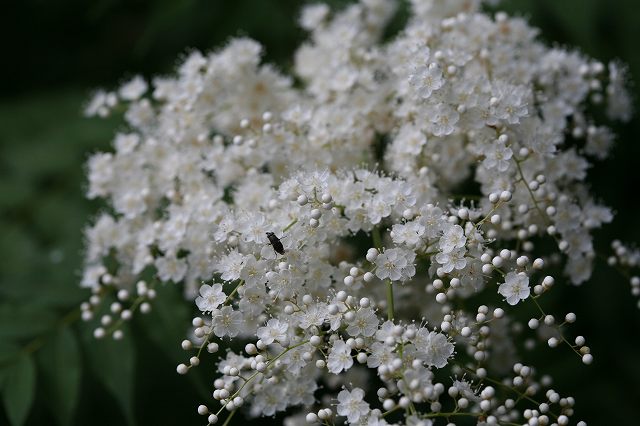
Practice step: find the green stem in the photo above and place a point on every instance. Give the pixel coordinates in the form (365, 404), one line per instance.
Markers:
(377, 239)
(557, 329)
(453, 413)
(286, 228)
(226, 422)
(208, 337)
(484, 219)
(548, 221)
(506, 387)
(253, 376)
(386, 413)
(389, 300)
(136, 304)
(37, 343)
(233, 292)
(377, 242)
(543, 214)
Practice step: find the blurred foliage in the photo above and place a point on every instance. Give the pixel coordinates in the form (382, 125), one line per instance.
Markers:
(52, 371)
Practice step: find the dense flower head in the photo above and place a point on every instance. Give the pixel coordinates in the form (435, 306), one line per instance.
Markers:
(377, 253)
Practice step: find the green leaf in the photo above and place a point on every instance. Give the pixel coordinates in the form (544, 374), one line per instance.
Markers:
(59, 361)
(112, 361)
(577, 21)
(8, 350)
(21, 322)
(168, 322)
(18, 388)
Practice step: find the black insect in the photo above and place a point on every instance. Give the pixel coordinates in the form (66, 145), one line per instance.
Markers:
(275, 243)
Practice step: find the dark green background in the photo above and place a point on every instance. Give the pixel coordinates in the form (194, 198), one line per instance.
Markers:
(55, 52)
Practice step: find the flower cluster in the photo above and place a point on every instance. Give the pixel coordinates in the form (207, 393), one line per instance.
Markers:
(366, 288)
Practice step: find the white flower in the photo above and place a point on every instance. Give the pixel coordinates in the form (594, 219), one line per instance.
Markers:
(416, 378)
(443, 120)
(365, 323)
(431, 217)
(300, 391)
(133, 89)
(385, 331)
(465, 389)
(409, 233)
(389, 265)
(91, 276)
(395, 264)
(381, 354)
(231, 266)
(227, 322)
(351, 404)
(619, 102)
(101, 174)
(498, 156)
(380, 207)
(253, 301)
(433, 348)
(210, 297)
(374, 420)
(170, 268)
(452, 238)
(313, 15)
(452, 260)
(126, 143)
(283, 283)
(267, 403)
(294, 359)
(253, 226)
(253, 270)
(515, 288)
(410, 140)
(314, 315)
(510, 104)
(340, 357)
(101, 104)
(275, 330)
(225, 227)
(599, 141)
(427, 79)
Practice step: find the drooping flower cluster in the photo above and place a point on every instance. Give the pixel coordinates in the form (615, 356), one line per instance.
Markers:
(360, 173)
